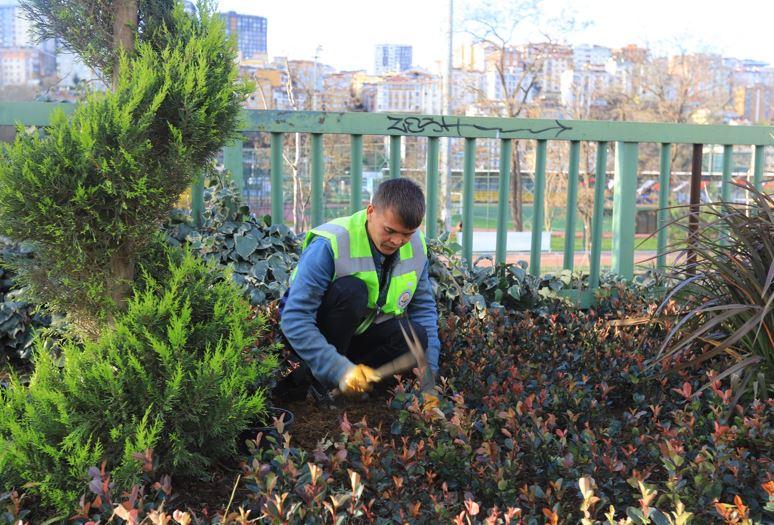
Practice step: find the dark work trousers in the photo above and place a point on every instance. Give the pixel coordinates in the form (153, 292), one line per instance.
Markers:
(343, 308)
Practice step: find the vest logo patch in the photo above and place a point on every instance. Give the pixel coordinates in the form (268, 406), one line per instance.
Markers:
(404, 299)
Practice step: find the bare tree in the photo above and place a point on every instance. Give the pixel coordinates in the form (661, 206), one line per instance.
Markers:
(681, 88)
(556, 182)
(298, 188)
(517, 71)
(587, 105)
(299, 88)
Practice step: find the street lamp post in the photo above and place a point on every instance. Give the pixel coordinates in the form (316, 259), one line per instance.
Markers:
(314, 77)
(446, 181)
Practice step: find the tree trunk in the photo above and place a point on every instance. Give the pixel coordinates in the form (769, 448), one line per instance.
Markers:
(121, 276)
(124, 30)
(516, 189)
(587, 233)
(121, 265)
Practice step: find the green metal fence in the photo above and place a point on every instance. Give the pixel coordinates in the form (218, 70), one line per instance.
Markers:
(626, 135)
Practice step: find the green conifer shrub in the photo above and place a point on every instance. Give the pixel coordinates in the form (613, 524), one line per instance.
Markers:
(90, 191)
(178, 373)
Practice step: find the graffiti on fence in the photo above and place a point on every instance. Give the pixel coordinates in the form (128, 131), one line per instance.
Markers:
(417, 125)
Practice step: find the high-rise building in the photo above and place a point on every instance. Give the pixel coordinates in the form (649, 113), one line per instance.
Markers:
(20, 66)
(470, 56)
(338, 93)
(15, 29)
(584, 87)
(22, 60)
(755, 103)
(590, 55)
(70, 70)
(629, 67)
(549, 61)
(250, 32)
(392, 58)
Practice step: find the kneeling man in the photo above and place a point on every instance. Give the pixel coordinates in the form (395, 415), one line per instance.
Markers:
(356, 276)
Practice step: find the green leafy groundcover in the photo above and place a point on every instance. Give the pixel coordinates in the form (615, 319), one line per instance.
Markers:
(545, 418)
(532, 404)
(17, 316)
(261, 255)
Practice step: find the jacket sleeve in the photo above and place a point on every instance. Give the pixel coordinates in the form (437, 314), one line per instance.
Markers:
(299, 317)
(424, 312)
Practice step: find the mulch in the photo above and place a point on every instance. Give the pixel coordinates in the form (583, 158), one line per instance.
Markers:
(313, 422)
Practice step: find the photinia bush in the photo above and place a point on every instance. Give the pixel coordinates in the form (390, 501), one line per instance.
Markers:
(545, 417)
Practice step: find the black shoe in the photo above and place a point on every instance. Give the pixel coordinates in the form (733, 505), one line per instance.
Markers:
(295, 385)
(320, 395)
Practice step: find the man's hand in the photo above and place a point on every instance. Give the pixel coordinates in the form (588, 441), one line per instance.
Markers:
(430, 401)
(358, 379)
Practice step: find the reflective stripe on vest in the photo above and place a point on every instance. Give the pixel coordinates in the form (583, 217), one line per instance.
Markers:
(344, 263)
(355, 258)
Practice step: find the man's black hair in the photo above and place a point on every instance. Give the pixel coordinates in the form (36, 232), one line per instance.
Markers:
(406, 199)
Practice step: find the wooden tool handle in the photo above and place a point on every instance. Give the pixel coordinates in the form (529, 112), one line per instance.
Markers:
(396, 366)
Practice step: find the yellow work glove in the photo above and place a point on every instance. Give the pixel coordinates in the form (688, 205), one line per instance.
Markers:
(358, 379)
(429, 401)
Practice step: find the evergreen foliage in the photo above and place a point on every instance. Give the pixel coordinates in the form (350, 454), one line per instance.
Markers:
(90, 191)
(178, 374)
(86, 27)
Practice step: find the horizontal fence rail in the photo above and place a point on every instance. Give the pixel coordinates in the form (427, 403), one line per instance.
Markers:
(626, 136)
(500, 128)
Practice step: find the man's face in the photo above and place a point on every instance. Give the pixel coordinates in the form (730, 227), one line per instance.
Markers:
(386, 230)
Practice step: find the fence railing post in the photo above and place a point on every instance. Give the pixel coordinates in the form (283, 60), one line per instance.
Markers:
(758, 162)
(624, 208)
(728, 166)
(597, 219)
(232, 161)
(665, 172)
(572, 206)
(695, 205)
(277, 204)
(317, 179)
(431, 185)
(394, 156)
(468, 173)
(538, 203)
(197, 200)
(503, 192)
(356, 173)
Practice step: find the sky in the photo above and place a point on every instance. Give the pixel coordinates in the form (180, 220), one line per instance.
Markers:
(348, 30)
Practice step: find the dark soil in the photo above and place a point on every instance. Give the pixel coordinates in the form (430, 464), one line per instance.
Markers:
(313, 422)
(207, 497)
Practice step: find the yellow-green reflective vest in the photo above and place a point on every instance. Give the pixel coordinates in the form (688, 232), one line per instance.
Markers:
(352, 256)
